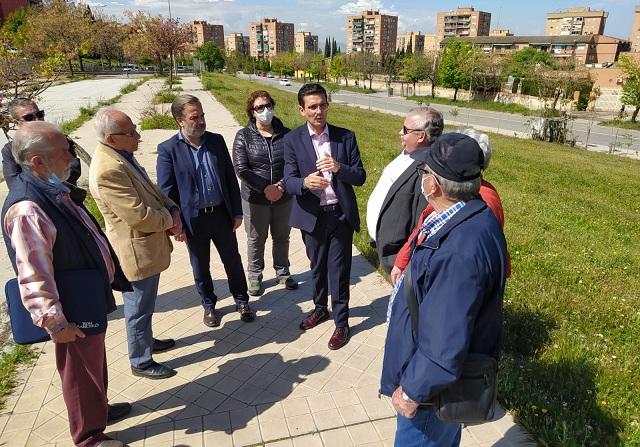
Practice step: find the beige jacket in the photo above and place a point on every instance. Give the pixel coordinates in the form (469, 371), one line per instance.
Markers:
(136, 214)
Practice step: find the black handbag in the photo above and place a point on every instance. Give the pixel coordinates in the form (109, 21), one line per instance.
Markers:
(472, 398)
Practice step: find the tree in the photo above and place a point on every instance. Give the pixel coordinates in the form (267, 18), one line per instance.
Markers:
(15, 29)
(414, 69)
(334, 48)
(520, 63)
(432, 73)
(327, 48)
(210, 55)
(409, 50)
(453, 65)
(106, 39)
(317, 68)
(337, 69)
(631, 87)
(284, 63)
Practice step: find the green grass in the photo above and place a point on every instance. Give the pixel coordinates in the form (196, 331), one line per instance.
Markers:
(164, 96)
(152, 119)
(86, 113)
(482, 105)
(351, 88)
(624, 124)
(10, 359)
(569, 372)
(92, 207)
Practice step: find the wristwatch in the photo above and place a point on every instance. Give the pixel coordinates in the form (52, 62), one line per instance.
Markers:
(406, 398)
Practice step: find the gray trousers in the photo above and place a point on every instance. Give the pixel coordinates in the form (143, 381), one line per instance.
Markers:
(258, 220)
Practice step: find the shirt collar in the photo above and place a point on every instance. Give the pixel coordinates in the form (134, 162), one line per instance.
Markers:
(312, 132)
(181, 137)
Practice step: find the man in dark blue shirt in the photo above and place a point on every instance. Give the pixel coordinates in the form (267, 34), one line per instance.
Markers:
(195, 170)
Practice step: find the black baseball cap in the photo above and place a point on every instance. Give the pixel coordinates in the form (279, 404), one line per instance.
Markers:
(453, 156)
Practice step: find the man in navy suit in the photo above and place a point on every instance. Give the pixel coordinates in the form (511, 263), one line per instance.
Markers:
(195, 170)
(322, 163)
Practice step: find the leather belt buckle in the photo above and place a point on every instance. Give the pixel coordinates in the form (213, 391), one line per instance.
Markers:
(206, 209)
(330, 208)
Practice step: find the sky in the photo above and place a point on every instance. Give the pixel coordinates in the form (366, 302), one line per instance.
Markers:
(327, 18)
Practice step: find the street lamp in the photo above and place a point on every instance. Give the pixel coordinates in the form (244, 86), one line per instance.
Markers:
(173, 59)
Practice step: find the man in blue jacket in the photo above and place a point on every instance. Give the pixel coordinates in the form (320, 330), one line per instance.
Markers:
(195, 170)
(322, 164)
(458, 271)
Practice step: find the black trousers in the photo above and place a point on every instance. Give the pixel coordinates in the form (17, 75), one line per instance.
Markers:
(215, 226)
(328, 248)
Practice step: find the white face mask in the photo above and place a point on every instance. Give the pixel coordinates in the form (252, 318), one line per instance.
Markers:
(422, 189)
(264, 117)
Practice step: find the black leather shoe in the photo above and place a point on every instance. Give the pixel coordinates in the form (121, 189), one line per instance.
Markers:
(162, 345)
(117, 411)
(246, 314)
(154, 371)
(211, 318)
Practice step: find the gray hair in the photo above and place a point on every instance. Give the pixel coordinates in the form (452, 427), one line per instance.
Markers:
(32, 138)
(457, 190)
(429, 120)
(483, 141)
(104, 123)
(178, 104)
(16, 103)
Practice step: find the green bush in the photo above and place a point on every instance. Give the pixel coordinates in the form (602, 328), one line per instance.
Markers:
(157, 120)
(164, 97)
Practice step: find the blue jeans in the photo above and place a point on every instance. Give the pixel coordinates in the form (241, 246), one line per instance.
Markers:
(426, 430)
(138, 310)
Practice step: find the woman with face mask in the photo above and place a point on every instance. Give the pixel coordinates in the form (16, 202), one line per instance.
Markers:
(258, 158)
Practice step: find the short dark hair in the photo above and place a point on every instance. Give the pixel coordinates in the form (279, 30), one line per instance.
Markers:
(311, 89)
(178, 105)
(252, 97)
(16, 103)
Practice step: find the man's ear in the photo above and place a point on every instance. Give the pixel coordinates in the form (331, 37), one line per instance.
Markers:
(38, 162)
(301, 110)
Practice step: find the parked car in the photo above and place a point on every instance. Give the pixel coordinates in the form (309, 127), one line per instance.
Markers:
(270, 75)
(284, 81)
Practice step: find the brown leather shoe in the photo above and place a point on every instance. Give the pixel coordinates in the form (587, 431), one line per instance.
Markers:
(211, 318)
(315, 318)
(339, 338)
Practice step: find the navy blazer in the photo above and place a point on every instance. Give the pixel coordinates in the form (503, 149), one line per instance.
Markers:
(300, 161)
(177, 175)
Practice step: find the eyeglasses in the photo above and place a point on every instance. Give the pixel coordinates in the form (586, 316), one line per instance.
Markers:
(324, 106)
(406, 130)
(131, 133)
(260, 108)
(39, 115)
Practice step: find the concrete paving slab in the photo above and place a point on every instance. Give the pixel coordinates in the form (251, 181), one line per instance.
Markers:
(259, 383)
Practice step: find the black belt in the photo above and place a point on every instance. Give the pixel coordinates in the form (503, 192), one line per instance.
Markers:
(207, 209)
(335, 208)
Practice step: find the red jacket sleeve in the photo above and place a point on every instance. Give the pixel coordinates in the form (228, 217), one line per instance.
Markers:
(492, 199)
(404, 255)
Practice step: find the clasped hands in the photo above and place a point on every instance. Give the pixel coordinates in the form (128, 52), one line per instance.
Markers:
(274, 192)
(316, 180)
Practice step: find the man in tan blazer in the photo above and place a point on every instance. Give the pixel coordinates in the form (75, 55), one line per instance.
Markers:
(138, 219)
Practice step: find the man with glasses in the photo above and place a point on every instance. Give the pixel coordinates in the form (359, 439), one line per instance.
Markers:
(322, 164)
(24, 110)
(139, 219)
(397, 201)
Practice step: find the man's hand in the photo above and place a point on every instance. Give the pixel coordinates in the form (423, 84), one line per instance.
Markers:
(405, 408)
(181, 237)
(273, 192)
(177, 223)
(68, 334)
(236, 223)
(315, 180)
(328, 163)
(395, 274)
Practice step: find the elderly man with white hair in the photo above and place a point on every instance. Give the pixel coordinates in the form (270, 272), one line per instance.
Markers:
(138, 219)
(50, 237)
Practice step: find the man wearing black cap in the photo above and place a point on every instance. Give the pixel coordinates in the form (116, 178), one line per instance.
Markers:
(458, 271)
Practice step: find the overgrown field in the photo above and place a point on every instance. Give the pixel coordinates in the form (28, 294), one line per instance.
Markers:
(570, 372)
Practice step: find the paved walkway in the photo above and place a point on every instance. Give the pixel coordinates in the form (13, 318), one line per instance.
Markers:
(261, 383)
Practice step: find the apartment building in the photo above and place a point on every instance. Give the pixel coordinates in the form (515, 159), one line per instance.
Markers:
(586, 49)
(413, 39)
(372, 32)
(236, 42)
(580, 21)
(463, 22)
(205, 32)
(500, 32)
(269, 37)
(306, 43)
(431, 43)
(9, 6)
(634, 36)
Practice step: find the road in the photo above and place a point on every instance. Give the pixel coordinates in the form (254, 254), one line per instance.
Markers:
(63, 102)
(627, 142)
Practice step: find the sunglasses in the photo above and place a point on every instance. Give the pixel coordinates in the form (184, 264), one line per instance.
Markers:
(406, 130)
(261, 107)
(39, 115)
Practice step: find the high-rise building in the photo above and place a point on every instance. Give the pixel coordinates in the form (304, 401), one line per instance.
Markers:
(9, 6)
(576, 22)
(463, 22)
(205, 32)
(372, 32)
(236, 42)
(306, 42)
(431, 43)
(412, 39)
(269, 37)
(634, 36)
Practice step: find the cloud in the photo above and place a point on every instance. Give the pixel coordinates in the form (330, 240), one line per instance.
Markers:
(357, 7)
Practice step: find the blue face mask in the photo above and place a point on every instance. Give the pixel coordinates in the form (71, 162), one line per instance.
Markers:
(54, 180)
